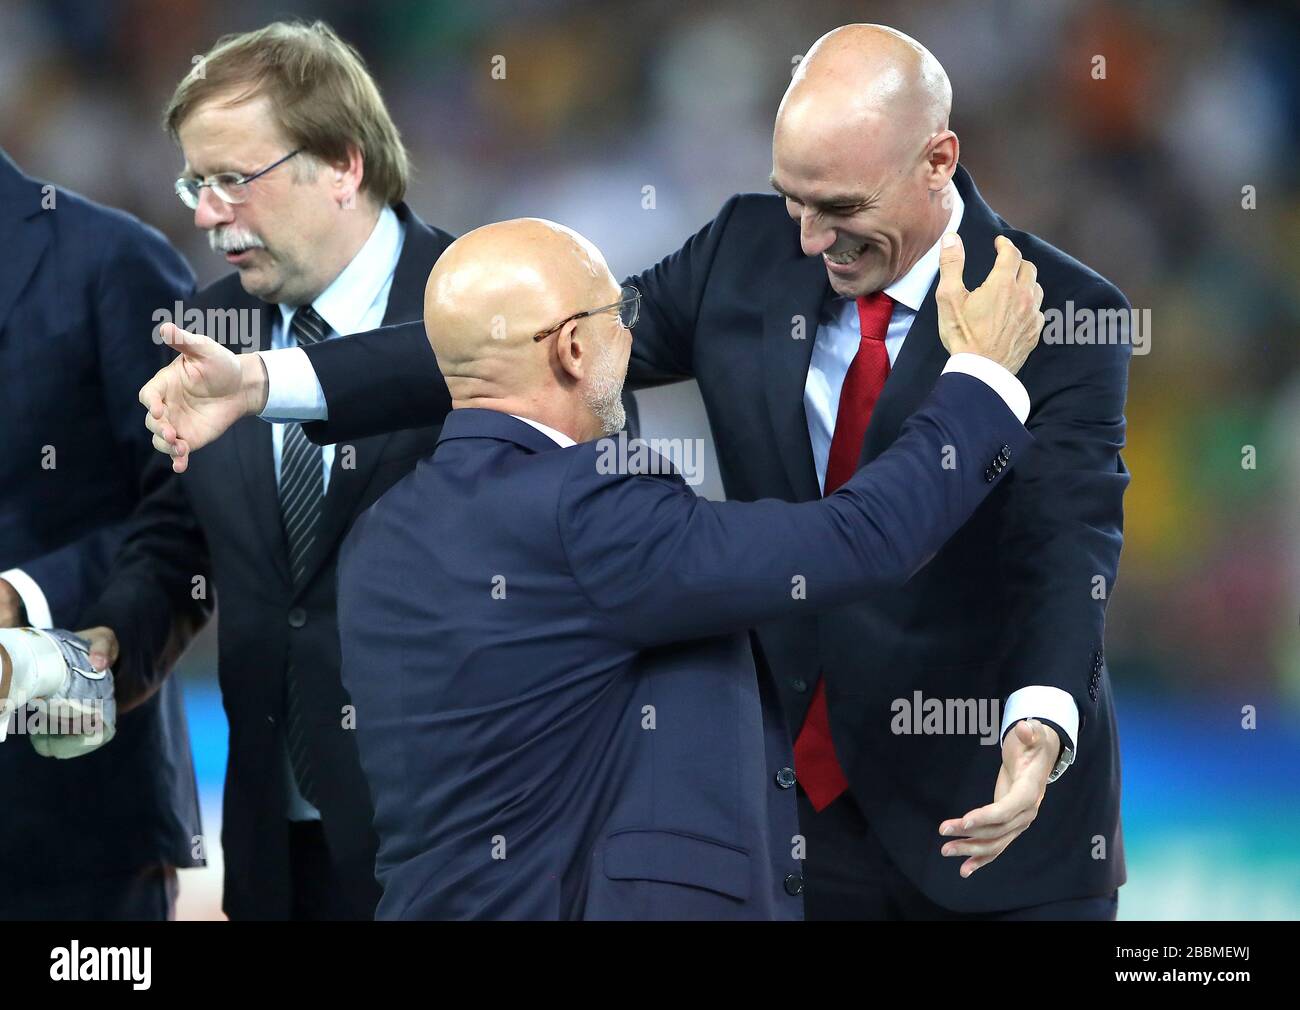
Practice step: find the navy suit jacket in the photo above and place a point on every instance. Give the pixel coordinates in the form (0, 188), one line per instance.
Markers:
(221, 518)
(78, 293)
(558, 711)
(1017, 597)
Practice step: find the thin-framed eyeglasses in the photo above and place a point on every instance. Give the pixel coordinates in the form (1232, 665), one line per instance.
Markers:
(232, 187)
(629, 309)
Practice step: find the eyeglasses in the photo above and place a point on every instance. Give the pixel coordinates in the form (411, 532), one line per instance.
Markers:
(230, 186)
(629, 309)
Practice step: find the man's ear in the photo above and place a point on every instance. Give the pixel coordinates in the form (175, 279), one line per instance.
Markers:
(571, 350)
(941, 158)
(347, 176)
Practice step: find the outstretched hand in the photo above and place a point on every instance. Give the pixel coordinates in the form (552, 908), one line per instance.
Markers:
(200, 394)
(1029, 754)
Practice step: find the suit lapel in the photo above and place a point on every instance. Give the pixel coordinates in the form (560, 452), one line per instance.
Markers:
(923, 355)
(790, 319)
(355, 462)
(23, 243)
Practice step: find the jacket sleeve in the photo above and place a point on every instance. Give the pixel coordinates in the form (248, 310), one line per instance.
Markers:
(1063, 518)
(663, 345)
(388, 379)
(157, 594)
(146, 592)
(68, 575)
(375, 382)
(138, 272)
(664, 565)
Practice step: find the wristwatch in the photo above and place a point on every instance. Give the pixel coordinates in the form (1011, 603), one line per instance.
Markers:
(1066, 757)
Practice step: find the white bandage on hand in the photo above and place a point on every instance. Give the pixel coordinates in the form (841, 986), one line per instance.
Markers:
(71, 710)
(38, 666)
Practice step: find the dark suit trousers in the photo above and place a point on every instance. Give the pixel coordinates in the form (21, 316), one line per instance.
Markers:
(318, 892)
(849, 875)
(144, 895)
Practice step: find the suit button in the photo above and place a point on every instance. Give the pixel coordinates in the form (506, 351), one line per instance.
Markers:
(785, 778)
(794, 884)
(799, 684)
(297, 617)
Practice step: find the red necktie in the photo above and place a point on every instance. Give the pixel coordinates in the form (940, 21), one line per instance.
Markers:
(815, 763)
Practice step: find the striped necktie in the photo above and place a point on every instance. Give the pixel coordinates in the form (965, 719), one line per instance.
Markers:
(302, 474)
(302, 489)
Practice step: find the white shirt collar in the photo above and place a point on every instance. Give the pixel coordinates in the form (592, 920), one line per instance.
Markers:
(558, 437)
(350, 295)
(913, 286)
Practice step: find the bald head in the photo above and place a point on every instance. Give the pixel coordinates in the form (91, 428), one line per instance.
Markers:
(873, 76)
(489, 296)
(863, 153)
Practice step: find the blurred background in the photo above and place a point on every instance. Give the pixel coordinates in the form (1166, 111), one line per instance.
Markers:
(1175, 176)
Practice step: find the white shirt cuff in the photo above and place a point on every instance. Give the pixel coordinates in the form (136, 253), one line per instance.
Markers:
(1052, 704)
(34, 601)
(293, 393)
(991, 374)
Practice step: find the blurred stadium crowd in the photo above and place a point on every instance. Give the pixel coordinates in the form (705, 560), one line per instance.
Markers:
(1175, 175)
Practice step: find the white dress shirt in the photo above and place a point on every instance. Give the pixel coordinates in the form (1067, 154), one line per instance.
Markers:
(839, 334)
(34, 600)
(558, 437)
(354, 302)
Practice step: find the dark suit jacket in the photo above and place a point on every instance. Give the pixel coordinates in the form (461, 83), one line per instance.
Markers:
(266, 625)
(559, 711)
(78, 293)
(1008, 602)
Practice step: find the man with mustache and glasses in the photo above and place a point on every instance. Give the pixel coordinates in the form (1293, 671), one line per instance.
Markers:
(295, 170)
(810, 320)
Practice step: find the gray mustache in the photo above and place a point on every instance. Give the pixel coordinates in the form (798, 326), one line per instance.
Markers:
(226, 241)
